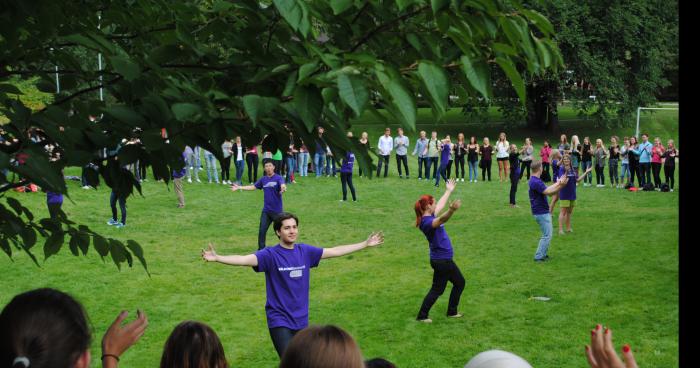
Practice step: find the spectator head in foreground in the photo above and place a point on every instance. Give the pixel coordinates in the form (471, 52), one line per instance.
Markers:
(193, 345)
(497, 359)
(44, 328)
(322, 347)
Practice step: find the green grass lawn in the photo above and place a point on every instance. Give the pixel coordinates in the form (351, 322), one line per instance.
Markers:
(619, 267)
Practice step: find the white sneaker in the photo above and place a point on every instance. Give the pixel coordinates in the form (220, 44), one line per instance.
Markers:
(198, 181)
(672, 190)
(209, 181)
(189, 180)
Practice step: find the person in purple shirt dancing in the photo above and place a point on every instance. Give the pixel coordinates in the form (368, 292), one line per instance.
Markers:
(346, 174)
(286, 268)
(272, 186)
(540, 208)
(445, 269)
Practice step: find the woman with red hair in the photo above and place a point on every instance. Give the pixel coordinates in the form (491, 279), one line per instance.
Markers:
(440, 251)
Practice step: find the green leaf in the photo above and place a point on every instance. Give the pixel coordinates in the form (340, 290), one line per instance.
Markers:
(438, 5)
(400, 98)
(101, 245)
(403, 4)
(340, 6)
(185, 111)
(308, 102)
(28, 236)
(515, 78)
(73, 245)
(9, 88)
(125, 67)
(306, 70)
(436, 83)
(330, 94)
(540, 21)
(14, 203)
(478, 75)
(257, 107)
(353, 92)
(136, 250)
(504, 48)
(53, 244)
(294, 13)
(125, 114)
(117, 250)
(544, 54)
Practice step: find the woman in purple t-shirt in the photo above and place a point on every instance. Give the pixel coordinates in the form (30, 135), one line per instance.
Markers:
(286, 268)
(567, 196)
(445, 269)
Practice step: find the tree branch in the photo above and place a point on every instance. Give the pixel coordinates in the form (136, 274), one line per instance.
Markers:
(384, 26)
(82, 92)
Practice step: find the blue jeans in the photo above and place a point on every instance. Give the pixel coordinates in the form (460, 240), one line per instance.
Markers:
(319, 160)
(291, 165)
(423, 161)
(303, 163)
(545, 222)
(240, 164)
(113, 198)
(472, 169)
(193, 164)
(266, 219)
(442, 171)
(584, 166)
(330, 165)
(211, 166)
(625, 172)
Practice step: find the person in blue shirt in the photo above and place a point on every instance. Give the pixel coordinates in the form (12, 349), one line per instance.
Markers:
(644, 153)
(273, 186)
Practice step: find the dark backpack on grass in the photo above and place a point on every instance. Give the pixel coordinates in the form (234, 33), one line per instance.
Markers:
(665, 187)
(648, 187)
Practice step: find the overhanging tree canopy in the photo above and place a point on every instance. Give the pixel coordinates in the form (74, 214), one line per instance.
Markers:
(207, 70)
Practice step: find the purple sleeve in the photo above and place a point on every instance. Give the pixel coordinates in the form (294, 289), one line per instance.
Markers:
(313, 255)
(258, 184)
(540, 187)
(263, 256)
(280, 182)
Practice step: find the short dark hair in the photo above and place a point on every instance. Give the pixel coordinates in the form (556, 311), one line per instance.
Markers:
(379, 363)
(277, 226)
(47, 326)
(191, 345)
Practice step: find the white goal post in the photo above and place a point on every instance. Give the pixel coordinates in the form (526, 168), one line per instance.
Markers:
(639, 109)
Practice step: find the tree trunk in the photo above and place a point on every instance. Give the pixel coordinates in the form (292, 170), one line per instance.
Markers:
(542, 112)
(552, 110)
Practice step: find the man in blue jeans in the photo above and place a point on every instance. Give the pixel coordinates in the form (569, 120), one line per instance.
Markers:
(540, 207)
(272, 186)
(320, 154)
(644, 153)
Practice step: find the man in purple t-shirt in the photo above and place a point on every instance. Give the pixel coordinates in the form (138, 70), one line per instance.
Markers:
(286, 268)
(540, 207)
(272, 186)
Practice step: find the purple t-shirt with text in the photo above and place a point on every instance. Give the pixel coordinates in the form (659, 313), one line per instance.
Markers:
(538, 200)
(568, 193)
(287, 283)
(438, 240)
(271, 186)
(348, 162)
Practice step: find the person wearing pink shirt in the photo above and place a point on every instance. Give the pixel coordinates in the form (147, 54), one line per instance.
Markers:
(545, 152)
(657, 154)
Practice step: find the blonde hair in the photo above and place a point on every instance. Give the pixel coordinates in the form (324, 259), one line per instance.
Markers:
(574, 141)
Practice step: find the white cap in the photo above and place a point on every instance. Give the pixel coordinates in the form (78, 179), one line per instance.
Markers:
(497, 359)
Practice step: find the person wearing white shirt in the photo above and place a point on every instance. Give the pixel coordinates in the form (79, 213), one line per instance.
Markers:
(502, 157)
(401, 144)
(385, 146)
